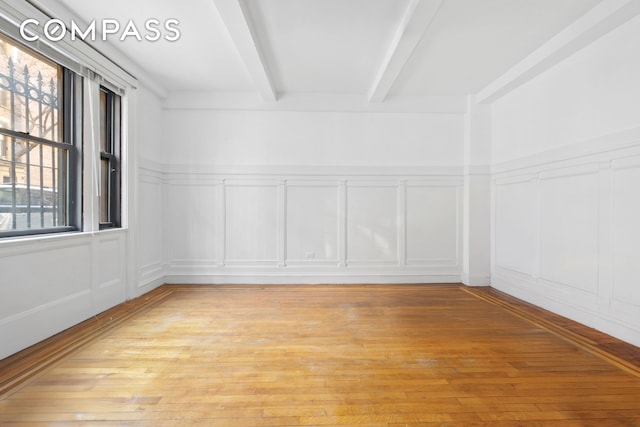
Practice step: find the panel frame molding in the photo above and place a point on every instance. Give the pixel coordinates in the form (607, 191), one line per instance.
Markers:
(601, 158)
(282, 268)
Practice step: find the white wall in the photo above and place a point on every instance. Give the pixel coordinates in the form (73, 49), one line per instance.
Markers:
(312, 197)
(208, 137)
(50, 283)
(149, 238)
(566, 153)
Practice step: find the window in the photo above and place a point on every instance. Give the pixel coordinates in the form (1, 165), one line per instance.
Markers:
(109, 159)
(38, 158)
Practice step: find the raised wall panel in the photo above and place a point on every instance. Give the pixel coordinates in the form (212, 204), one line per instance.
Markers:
(584, 207)
(192, 215)
(626, 235)
(178, 227)
(293, 225)
(201, 216)
(109, 262)
(150, 223)
(432, 214)
(51, 283)
(251, 223)
(569, 230)
(48, 273)
(312, 223)
(372, 224)
(109, 265)
(515, 226)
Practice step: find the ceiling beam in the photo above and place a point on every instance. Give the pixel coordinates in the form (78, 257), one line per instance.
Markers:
(417, 18)
(235, 16)
(604, 17)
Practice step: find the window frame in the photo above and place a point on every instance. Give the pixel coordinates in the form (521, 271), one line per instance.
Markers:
(91, 69)
(69, 116)
(112, 155)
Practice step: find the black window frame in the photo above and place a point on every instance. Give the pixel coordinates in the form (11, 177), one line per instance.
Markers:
(70, 123)
(110, 153)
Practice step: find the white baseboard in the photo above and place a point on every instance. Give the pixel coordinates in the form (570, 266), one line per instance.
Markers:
(310, 279)
(475, 279)
(526, 291)
(149, 285)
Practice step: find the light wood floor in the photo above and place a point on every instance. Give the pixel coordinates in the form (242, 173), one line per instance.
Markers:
(360, 355)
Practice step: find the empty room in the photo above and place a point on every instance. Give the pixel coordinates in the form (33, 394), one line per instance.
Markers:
(381, 213)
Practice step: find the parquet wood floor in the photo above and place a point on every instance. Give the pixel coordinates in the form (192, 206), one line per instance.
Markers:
(352, 355)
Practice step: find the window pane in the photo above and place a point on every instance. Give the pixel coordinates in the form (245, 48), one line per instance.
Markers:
(104, 191)
(110, 158)
(104, 126)
(35, 147)
(34, 197)
(29, 93)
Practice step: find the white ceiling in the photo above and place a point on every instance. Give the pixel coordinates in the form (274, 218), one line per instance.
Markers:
(374, 49)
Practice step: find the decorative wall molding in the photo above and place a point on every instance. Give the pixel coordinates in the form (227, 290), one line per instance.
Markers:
(150, 272)
(603, 148)
(315, 103)
(263, 278)
(302, 173)
(42, 321)
(73, 276)
(622, 327)
(151, 258)
(565, 232)
(289, 224)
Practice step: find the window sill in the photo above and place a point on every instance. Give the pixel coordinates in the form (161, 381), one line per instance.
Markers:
(52, 238)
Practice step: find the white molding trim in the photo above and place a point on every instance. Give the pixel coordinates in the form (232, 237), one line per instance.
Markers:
(42, 321)
(474, 170)
(148, 165)
(595, 303)
(314, 102)
(44, 307)
(311, 279)
(277, 267)
(475, 280)
(596, 319)
(312, 173)
(580, 152)
(626, 163)
(147, 286)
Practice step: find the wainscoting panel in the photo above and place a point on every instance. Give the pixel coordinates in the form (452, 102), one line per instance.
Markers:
(312, 223)
(191, 211)
(53, 282)
(151, 216)
(372, 224)
(109, 258)
(516, 204)
(251, 212)
(287, 225)
(569, 230)
(626, 237)
(432, 224)
(566, 232)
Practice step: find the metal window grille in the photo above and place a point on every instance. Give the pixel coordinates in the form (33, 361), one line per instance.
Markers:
(35, 149)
